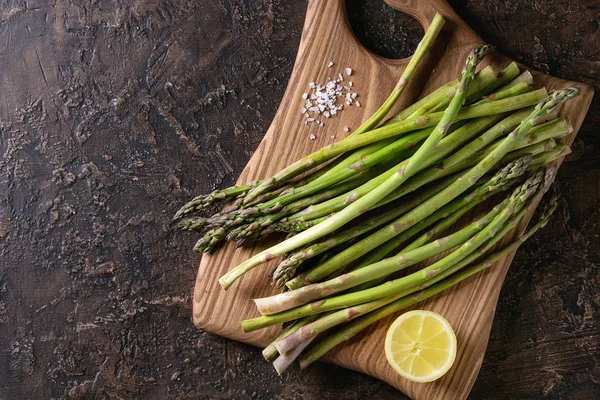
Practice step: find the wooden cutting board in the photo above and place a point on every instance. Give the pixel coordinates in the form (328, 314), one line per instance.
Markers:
(469, 306)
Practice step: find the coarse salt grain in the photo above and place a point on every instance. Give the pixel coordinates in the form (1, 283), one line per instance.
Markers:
(323, 97)
(312, 136)
(347, 129)
(357, 104)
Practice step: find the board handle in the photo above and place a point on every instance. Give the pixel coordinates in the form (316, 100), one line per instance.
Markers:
(424, 11)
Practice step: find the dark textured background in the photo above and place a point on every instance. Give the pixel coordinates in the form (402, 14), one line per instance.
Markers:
(113, 113)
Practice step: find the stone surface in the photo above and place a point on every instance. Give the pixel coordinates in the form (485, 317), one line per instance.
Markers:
(113, 113)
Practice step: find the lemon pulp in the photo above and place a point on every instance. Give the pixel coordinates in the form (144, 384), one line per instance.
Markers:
(420, 346)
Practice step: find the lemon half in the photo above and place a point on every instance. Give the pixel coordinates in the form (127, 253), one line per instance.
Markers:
(420, 346)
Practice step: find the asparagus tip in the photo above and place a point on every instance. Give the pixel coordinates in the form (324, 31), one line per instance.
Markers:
(548, 210)
(557, 97)
(479, 52)
(550, 176)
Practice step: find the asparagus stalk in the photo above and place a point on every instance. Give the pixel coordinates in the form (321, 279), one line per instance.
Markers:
(504, 77)
(388, 152)
(462, 184)
(547, 157)
(449, 213)
(396, 129)
(286, 359)
(192, 224)
(202, 201)
(483, 82)
(499, 182)
(424, 46)
(214, 236)
(210, 240)
(464, 133)
(429, 174)
(426, 43)
(478, 110)
(522, 84)
(287, 300)
(464, 157)
(247, 215)
(270, 352)
(497, 218)
(451, 263)
(448, 144)
(335, 318)
(362, 205)
(356, 326)
(286, 269)
(376, 245)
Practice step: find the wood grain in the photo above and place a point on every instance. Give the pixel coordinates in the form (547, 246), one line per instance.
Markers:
(469, 306)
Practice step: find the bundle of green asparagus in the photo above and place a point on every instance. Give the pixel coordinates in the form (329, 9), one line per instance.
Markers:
(387, 199)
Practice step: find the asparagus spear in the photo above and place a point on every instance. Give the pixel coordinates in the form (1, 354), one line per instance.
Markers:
(450, 213)
(286, 269)
(426, 43)
(329, 320)
(247, 215)
(462, 134)
(389, 131)
(489, 225)
(286, 359)
(362, 205)
(353, 252)
(496, 184)
(370, 271)
(446, 146)
(429, 174)
(547, 157)
(356, 326)
(464, 157)
(214, 236)
(210, 240)
(192, 224)
(411, 283)
(295, 298)
(396, 129)
(462, 184)
(449, 193)
(270, 352)
(389, 152)
(485, 81)
(202, 201)
(518, 86)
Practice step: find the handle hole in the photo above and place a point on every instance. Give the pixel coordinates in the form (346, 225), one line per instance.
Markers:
(382, 29)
